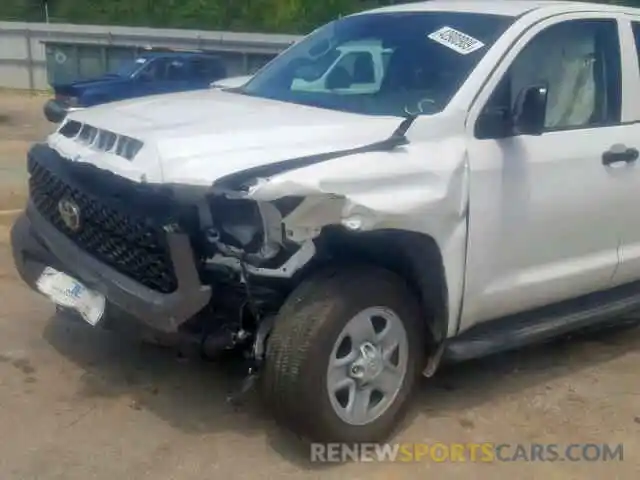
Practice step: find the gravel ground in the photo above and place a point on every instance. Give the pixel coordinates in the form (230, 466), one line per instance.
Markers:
(76, 403)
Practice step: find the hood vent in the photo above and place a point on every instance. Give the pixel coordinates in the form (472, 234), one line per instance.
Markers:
(101, 140)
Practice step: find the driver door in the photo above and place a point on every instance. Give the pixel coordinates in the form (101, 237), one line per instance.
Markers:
(544, 210)
(152, 79)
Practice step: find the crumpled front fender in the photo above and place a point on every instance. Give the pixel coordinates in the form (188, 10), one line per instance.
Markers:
(418, 187)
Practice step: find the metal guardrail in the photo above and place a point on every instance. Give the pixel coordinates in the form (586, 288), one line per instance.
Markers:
(32, 55)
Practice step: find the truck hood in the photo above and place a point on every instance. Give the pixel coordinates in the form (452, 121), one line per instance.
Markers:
(78, 87)
(197, 137)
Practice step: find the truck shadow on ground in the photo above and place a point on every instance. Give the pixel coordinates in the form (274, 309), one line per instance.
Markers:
(191, 395)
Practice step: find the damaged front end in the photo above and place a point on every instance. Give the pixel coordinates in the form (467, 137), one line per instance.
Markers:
(254, 251)
(178, 260)
(247, 253)
(208, 267)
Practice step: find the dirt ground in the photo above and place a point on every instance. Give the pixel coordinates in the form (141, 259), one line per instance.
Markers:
(21, 123)
(82, 404)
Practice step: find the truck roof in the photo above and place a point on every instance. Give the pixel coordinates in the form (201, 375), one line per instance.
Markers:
(512, 8)
(174, 54)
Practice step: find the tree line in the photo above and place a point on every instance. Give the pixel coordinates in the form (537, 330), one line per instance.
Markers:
(285, 16)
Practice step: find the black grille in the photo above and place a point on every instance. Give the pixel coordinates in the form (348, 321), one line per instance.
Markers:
(131, 245)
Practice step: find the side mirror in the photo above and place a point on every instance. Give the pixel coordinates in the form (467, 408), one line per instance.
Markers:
(494, 123)
(530, 110)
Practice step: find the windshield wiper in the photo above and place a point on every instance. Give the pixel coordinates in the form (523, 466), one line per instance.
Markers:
(400, 134)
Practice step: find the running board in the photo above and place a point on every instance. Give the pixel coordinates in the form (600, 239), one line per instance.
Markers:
(546, 323)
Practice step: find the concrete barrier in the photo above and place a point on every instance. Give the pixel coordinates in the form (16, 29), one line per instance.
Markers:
(34, 54)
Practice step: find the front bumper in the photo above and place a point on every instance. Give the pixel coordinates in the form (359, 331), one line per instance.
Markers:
(56, 111)
(36, 244)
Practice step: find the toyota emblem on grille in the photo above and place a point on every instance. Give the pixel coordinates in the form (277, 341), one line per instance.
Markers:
(70, 214)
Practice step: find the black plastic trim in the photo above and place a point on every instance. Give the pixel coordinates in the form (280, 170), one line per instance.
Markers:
(542, 324)
(36, 244)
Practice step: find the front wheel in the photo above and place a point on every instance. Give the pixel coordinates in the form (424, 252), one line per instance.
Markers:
(344, 355)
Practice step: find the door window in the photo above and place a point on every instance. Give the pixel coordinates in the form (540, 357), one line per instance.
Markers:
(176, 70)
(155, 70)
(579, 61)
(207, 69)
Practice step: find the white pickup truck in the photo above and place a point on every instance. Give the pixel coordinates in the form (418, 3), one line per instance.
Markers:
(478, 195)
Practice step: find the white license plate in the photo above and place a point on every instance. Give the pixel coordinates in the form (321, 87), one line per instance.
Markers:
(68, 292)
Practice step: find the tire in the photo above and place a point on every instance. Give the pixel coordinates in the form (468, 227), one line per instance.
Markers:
(302, 342)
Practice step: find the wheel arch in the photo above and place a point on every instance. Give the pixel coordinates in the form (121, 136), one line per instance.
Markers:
(413, 256)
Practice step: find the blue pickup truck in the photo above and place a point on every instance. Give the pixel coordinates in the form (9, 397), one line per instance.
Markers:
(149, 74)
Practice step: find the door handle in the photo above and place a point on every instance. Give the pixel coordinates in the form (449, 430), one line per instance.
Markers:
(620, 153)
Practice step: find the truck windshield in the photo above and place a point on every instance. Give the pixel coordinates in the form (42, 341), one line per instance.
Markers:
(381, 63)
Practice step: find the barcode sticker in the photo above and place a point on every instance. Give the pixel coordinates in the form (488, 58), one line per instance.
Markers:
(456, 40)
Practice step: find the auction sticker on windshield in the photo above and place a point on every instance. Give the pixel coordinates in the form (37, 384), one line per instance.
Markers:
(456, 40)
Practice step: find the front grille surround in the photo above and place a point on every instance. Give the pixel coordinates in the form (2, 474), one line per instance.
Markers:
(131, 243)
